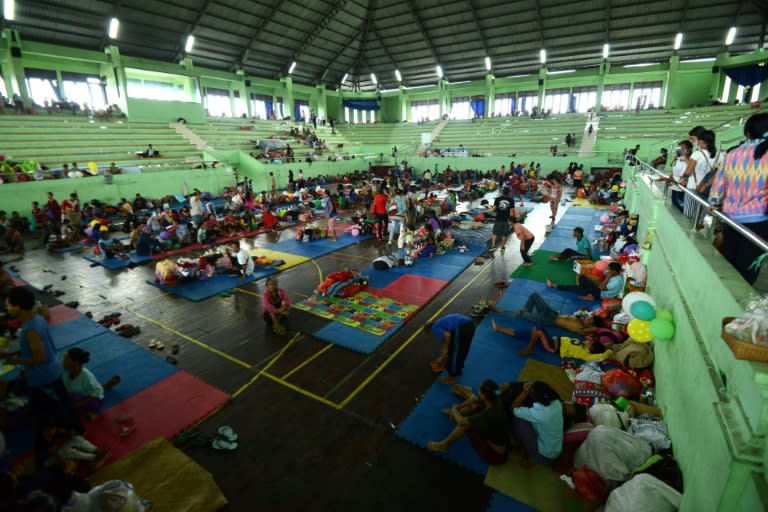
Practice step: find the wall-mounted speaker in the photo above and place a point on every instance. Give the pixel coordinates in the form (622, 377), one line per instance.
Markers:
(715, 70)
(16, 51)
(247, 83)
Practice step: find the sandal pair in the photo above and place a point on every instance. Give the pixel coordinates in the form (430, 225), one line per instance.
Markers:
(156, 344)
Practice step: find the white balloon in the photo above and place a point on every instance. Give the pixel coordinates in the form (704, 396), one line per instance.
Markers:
(631, 298)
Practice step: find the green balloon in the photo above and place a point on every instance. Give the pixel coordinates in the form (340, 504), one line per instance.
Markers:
(662, 329)
(622, 190)
(665, 314)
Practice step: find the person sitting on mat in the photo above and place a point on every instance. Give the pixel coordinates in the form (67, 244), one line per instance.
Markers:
(275, 304)
(583, 248)
(539, 428)
(455, 331)
(541, 314)
(111, 248)
(484, 421)
(610, 287)
(242, 263)
(588, 350)
(85, 391)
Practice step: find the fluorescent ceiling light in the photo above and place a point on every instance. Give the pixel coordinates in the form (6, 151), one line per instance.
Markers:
(293, 66)
(9, 10)
(344, 78)
(488, 63)
(543, 56)
(703, 59)
(190, 43)
(731, 35)
(373, 79)
(439, 71)
(678, 40)
(114, 25)
(641, 65)
(561, 71)
(419, 87)
(606, 50)
(398, 76)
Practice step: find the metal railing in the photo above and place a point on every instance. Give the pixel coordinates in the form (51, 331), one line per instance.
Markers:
(702, 203)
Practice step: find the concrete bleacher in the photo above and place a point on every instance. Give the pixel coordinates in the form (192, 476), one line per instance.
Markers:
(507, 135)
(653, 129)
(236, 133)
(53, 140)
(380, 137)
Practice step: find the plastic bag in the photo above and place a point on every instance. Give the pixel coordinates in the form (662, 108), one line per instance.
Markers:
(113, 496)
(752, 326)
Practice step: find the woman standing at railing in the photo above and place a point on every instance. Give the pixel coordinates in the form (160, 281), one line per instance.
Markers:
(701, 163)
(741, 190)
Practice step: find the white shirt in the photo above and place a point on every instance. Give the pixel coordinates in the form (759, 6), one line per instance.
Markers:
(195, 206)
(245, 260)
(677, 172)
(704, 164)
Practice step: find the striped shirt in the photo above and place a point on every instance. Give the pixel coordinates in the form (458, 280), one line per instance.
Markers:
(740, 184)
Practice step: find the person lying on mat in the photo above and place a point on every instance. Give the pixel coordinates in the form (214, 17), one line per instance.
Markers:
(484, 421)
(583, 248)
(242, 263)
(455, 332)
(588, 350)
(609, 287)
(538, 312)
(538, 428)
(275, 304)
(85, 391)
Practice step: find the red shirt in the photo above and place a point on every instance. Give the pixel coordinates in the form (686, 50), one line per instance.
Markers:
(380, 204)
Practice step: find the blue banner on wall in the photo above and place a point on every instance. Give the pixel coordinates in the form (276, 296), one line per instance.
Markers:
(361, 104)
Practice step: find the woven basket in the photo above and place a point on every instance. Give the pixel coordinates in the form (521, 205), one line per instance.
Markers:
(743, 349)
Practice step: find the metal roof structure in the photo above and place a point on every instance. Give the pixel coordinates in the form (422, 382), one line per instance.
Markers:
(331, 38)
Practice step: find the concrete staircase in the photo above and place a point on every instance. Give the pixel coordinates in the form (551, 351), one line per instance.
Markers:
(434, 134)
(587, 147)
(183, 130)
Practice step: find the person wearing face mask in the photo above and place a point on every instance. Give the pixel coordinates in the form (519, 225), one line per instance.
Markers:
(702, 166)
(679, 166)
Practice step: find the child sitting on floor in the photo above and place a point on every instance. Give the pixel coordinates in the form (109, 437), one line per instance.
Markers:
(83, 388)
(426, 245)
(59, 446)
(111, 248)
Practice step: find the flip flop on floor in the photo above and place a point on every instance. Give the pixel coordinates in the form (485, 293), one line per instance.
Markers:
(172, 360)
(223, 445)
(226, 433)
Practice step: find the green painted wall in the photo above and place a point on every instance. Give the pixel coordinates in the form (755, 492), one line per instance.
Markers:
(165, 111)
(714, 404)
(19, 196)
(692, 86)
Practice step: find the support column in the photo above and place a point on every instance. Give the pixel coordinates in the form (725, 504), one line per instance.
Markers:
(490, 95)
(322, 102)
(604, 69)
(718, 80)
(542, 87)
(444, 98)
(402, 111)
(671, 82)
(288, 96)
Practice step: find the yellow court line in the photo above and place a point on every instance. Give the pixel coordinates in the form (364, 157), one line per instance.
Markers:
(407, 342)
(248, 292)
(319, 271)
(190, 339)
(339, 255)
(309, 360)
(263, 370)
(302, 391)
